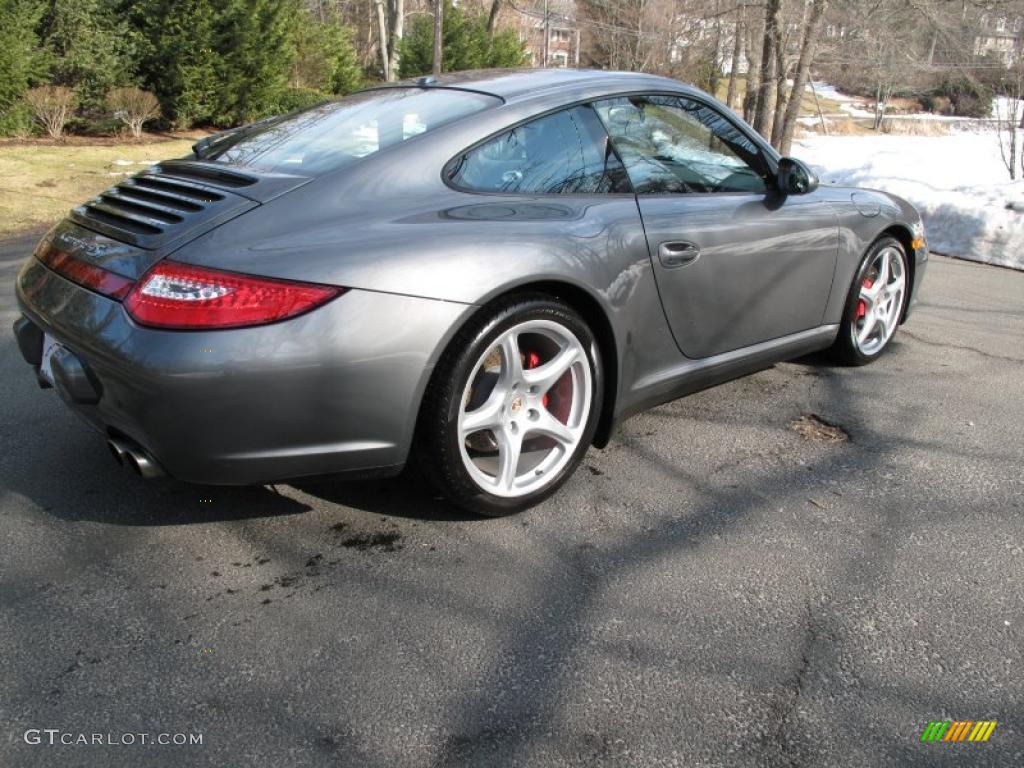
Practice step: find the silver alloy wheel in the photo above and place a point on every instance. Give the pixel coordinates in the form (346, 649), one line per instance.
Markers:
(880, 301)
(511, 440)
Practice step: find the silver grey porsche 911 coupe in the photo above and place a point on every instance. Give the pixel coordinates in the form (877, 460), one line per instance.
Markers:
(484, 273)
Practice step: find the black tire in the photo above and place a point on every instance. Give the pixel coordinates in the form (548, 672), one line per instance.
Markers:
(437, 451)
(845, 350)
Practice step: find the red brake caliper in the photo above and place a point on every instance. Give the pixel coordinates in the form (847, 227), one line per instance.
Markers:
(532, 361)
(862, 307)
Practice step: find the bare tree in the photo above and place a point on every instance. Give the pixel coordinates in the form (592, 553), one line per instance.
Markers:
(390, 29)
(753, 42)
(1008, 117)
(492, 18)
(737, 53)
(52, 105)
(395, 37)
(383, 38)
(438, 35)
(781, 79)
(811, 35)
(765, 104)
(133, 107)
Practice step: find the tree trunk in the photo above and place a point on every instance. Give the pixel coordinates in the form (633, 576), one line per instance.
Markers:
(716, 72)
(881, 99)
(382, 38)
(492, 19)
(766, 93)
(803, 68)
(753, 39)
(395, 37)
(438, 31)
(547, 36)
(781, 80)
(737, 51)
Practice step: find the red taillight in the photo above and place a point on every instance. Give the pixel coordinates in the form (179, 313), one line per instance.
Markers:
(85, 274)
(174, 295)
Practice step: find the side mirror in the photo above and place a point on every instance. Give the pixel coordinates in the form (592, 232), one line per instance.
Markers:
(795, 177)
(624, 114)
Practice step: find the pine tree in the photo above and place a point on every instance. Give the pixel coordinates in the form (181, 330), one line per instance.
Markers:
(91, 48)
(256, 37)
(22, 61)
(325, 57)
(467, 44)
(179, 61)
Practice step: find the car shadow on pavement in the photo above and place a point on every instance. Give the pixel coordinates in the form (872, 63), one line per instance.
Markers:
(407, 496)
(169, 502)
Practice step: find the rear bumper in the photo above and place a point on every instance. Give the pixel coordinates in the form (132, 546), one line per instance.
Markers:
(333, 391)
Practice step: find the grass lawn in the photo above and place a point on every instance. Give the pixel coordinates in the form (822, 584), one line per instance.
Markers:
(39, 182)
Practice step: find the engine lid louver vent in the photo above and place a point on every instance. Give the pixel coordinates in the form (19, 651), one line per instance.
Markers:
(166, 205)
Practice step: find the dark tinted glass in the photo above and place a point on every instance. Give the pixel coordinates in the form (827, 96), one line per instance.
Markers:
(671, 144)
(332, 135)
(566, 152)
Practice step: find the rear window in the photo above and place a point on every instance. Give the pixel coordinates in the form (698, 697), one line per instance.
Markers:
(337, 133)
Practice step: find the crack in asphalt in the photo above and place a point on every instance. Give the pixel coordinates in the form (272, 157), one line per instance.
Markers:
(963, 347)
(797, 684)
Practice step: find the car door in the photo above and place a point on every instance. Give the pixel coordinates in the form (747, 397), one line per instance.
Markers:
(736, 262)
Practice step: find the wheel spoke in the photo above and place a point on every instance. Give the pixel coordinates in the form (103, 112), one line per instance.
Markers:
(549, 426)
(883, 326)
(487, 416)
(869, 325)
(871, 294)
(545, 376)
(883, 271)
(509, 447)
(511, 363)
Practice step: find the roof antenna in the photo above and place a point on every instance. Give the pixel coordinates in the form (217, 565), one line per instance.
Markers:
(426, 80)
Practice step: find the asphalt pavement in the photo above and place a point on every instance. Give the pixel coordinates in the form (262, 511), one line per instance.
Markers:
(716, 588)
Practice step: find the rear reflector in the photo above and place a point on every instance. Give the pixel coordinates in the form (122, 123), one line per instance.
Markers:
(85, 274)
(174, 295)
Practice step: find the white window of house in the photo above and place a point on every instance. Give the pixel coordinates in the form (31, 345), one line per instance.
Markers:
(1000, 25)
(559, 59)
(830, 30)
(1018, 24)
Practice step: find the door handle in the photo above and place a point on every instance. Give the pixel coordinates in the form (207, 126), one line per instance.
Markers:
(677, 254)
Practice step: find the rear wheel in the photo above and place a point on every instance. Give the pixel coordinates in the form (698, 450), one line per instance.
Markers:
(875, 303)
(511, 407)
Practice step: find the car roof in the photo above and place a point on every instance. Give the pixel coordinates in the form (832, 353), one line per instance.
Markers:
(514, 85)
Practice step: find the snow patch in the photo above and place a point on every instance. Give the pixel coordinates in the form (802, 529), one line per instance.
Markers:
(970, 207)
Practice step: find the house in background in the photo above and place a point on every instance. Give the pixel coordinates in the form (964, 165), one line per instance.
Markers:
(999, 36)
(550, 25)
(563, 42)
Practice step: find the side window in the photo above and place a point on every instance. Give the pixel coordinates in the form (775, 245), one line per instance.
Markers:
(671, 144)
(566, 152)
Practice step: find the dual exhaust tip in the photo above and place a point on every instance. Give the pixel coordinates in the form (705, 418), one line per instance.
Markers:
(127, 453)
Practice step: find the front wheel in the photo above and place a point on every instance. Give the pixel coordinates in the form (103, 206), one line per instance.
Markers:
(511, 407)
(875, 303)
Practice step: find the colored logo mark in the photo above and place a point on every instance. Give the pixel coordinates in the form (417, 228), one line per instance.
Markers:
(958, 730)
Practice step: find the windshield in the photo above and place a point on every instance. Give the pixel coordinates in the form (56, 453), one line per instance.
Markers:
(337, 133)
